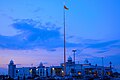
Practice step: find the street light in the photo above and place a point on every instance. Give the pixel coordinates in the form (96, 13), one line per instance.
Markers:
(74, 58)
(74, 54)
(53, 69)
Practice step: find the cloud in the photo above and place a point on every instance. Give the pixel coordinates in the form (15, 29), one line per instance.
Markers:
(102, 51)
(116, 46)
(38, 9)
(32, 35)
(103, 47)
(103, 44)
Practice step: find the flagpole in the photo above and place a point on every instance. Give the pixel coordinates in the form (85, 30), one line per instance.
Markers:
(64, 43)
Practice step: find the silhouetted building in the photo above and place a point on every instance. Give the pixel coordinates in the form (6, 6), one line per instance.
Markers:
(11, 69)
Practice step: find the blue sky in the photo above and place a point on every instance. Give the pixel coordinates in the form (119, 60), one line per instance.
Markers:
(32, 31)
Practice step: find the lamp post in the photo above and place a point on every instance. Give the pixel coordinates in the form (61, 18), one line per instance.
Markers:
(74, 58)
(74, 54)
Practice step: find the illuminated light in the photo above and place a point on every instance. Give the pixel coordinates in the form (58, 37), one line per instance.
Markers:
(79, 73)
(37, 69)
(62, 71)
(53, 68)
(90, 71)
(45, 69)
(30, 70)
(108, 73)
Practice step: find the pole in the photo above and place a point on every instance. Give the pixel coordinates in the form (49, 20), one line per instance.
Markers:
(74, 53)
(74, 59)
(64, 43)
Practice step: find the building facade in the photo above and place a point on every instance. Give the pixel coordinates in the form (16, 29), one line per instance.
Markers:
(72, 69)
(25, 72)
(11, 69)
(41, 70)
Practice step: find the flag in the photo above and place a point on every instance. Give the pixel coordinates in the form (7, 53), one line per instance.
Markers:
(65, 7)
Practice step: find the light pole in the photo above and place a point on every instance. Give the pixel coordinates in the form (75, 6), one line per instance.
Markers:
(74, 58)
(74, 54)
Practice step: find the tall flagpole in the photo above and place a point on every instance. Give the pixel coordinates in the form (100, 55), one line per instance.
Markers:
(64, 42)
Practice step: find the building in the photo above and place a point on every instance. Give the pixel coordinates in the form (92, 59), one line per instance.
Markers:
(41, 70)
(86, 69)
(25, 72)
(11, 69)
(55, 71)
(72, 70)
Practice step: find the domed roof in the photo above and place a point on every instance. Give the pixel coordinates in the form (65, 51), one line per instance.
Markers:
(41, 64)
(69, 58)
(11, 62)
(86, 61)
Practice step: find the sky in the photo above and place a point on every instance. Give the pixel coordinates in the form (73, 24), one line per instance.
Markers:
(31, 31)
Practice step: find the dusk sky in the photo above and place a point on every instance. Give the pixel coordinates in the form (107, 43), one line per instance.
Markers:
(31, 31)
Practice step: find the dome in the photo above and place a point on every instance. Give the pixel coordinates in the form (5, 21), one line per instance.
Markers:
(41, 64)
(11, 62)
(86, 61)
(69, 58)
